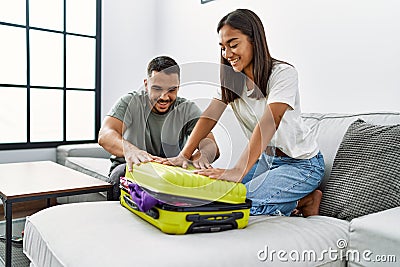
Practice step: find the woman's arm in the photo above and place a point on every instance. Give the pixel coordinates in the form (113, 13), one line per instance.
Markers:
(262, 135)
(201, 130)
(203, 126)
(259, 140)
(206, 153)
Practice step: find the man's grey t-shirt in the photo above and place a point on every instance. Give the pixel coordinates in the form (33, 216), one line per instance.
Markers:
(159, 134)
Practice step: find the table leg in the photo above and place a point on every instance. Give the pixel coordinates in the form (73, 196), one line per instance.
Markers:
(110, 194)
(8, 215)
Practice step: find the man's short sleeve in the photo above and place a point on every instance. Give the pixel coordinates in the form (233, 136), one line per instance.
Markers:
(120, 107)
(193, 114)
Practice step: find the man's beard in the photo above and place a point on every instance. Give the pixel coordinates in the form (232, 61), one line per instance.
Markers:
(155, 101)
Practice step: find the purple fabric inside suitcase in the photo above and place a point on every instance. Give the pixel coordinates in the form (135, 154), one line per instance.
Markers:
(142, 199)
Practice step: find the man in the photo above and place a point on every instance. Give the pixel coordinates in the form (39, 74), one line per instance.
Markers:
(152, 124)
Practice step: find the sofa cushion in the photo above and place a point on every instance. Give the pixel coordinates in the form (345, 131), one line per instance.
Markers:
(93, 150)
(117, 237)
(365, 176)
(377, 233)
(95, 167)
(329, 129)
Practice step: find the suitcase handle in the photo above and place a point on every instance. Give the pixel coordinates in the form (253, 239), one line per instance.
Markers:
(151, 212)
(214, 222)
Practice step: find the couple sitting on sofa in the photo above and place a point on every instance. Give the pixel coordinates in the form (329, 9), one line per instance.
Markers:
(281, 165)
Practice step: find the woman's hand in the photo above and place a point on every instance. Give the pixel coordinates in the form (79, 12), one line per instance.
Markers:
(179, 160)
(232, 175)
(201, 161)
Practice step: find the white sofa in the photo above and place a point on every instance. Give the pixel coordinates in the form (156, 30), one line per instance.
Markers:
(106, 234)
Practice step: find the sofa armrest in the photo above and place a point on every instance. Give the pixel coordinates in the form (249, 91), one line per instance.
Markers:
(376, 239)
(93, 150)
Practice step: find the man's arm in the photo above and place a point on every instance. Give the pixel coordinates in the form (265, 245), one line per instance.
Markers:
(110, 136)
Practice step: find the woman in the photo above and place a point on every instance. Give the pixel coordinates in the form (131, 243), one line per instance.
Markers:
(281, 165)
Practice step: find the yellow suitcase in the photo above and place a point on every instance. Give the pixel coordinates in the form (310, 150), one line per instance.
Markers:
(171, 180)
(187, 200)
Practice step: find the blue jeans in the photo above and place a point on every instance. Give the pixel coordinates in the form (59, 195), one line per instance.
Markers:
(275, 184)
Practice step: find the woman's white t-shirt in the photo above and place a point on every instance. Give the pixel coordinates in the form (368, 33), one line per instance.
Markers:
(292, 137)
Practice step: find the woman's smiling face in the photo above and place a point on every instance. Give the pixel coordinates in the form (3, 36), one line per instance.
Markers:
(237, 49)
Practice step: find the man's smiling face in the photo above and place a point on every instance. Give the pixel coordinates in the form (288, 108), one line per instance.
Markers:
(162, 89)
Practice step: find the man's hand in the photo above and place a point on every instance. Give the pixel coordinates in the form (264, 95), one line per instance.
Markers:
(207, 153)
(134, 155)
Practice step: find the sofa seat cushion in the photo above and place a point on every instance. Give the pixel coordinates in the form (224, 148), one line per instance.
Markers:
(95, 167)
(93, 150)
(376, 239)
(107, 234)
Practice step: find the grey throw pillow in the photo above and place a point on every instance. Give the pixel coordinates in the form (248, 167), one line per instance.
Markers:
(365, 174)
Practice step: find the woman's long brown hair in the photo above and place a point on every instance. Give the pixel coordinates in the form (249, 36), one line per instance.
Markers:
(232, 83)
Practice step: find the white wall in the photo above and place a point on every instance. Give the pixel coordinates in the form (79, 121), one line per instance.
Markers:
(346, 52)
(128, 44)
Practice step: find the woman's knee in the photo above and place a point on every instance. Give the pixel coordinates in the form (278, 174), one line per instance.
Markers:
(281, 209)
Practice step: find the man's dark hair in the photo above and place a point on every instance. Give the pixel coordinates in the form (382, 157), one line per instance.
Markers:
(163, 64)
